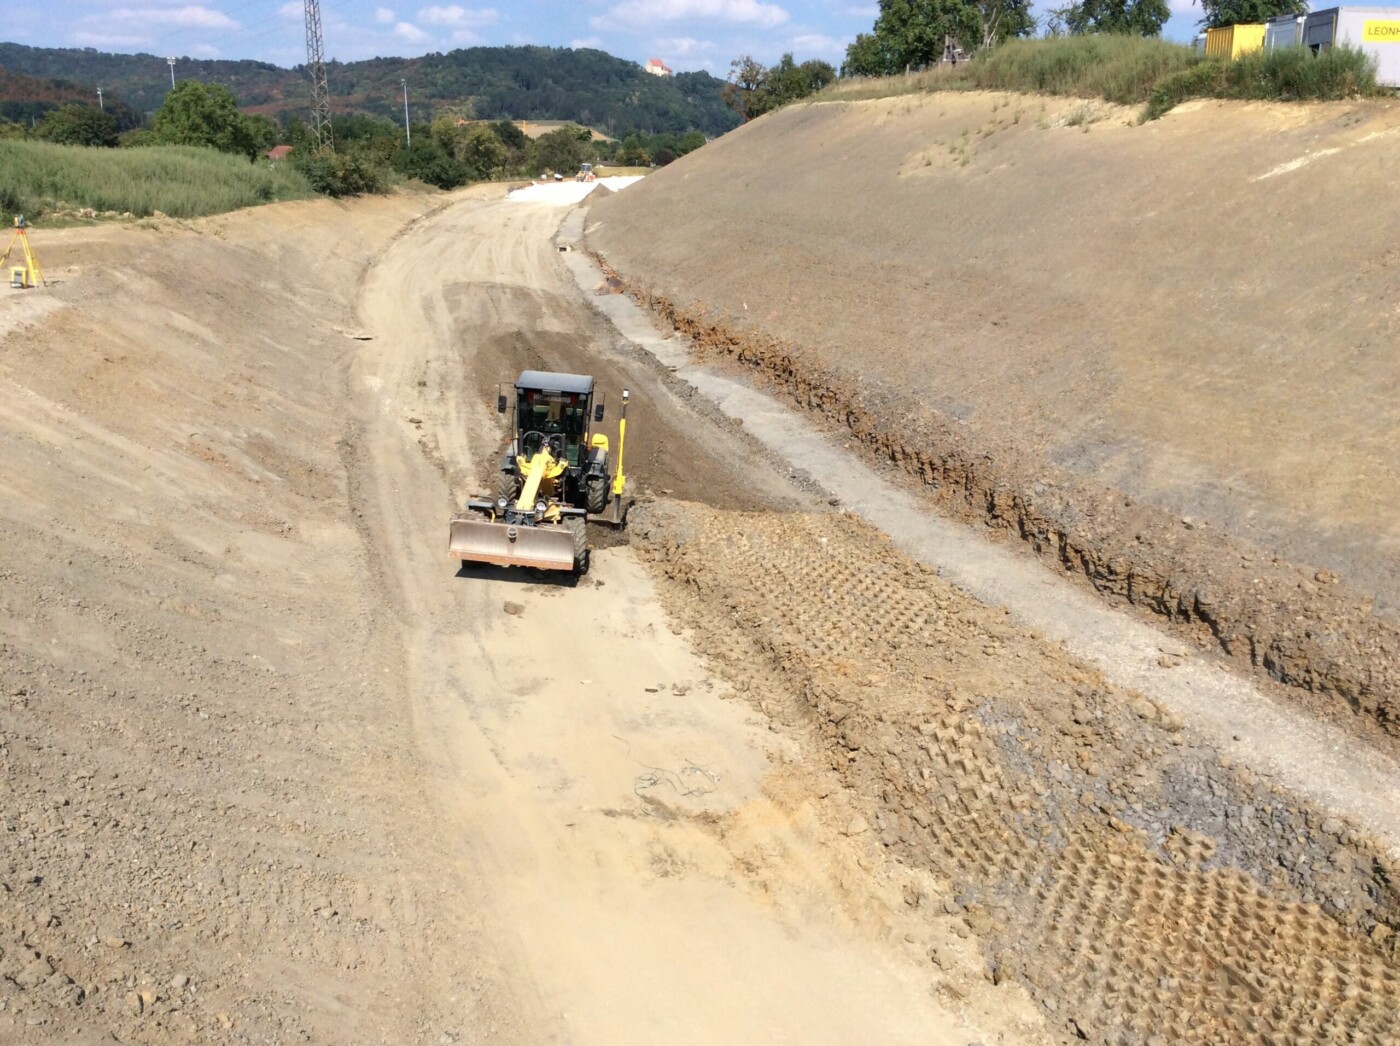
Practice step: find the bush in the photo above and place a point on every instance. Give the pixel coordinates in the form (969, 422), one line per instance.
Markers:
(1116, 68)
(1128, 70)
(181, 181)
(348, 173)
(1285, 74)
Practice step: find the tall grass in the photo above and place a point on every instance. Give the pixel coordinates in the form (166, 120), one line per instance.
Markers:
(183, 182)
(1285, 74)
(1130, 70)
(1118, 69)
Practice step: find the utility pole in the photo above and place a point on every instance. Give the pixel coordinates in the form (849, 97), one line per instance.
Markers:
(100, 104)
(171, 62)
(316, 66)
(407, 131)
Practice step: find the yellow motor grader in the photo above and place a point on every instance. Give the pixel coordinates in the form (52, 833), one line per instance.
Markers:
(554, 475)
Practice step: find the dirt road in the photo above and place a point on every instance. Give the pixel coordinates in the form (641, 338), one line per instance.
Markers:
(585, 760)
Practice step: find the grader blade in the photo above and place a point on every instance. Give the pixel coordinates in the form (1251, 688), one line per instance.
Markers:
(507, 545)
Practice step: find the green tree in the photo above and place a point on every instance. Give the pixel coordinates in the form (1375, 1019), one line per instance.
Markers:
(689, 142)
(350, 172)
(913, 34)
(754, 89)
(1235, 12)
(634, 152)
(787, 81)
(75, 124)
(1130, 17)
(511, 136)
(204, 114)
(429, 162)
(480, 152)
(562, 150)
(867, 55)
(745, 92)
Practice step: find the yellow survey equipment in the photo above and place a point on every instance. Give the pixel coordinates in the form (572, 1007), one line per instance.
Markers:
(553, 477)
(30, 275)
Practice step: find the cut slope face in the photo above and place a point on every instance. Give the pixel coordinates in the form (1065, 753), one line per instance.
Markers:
(1087, 310)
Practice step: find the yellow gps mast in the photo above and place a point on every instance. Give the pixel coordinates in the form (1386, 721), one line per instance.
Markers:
(620, 480)
(30, 275)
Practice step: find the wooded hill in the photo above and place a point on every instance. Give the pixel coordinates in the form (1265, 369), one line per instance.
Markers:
(25, 98)
(519, 83)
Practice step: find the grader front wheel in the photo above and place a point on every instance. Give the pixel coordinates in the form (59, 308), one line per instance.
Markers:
(580, 530)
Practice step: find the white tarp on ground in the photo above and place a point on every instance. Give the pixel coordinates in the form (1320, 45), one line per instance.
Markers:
(562, 194)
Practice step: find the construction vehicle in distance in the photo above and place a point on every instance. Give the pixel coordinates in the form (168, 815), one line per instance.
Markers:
(553, 476)
(585, 173)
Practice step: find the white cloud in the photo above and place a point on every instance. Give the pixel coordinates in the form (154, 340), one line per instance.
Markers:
(871, 11)
(384, 15)
(192, 16)
(816, 43)
(204, 51)
(744, 12)
(291, 9)
(410, 32)
(467, 36)
(595, 42)
(108, 41)
(682, 46)
(458, 16)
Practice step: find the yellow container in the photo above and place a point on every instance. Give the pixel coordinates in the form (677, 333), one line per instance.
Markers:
(1231, 41)
(19, 277)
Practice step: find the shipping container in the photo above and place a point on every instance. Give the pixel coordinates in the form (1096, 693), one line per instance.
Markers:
(1231, 41)
(1375, 30)
(1283, 31)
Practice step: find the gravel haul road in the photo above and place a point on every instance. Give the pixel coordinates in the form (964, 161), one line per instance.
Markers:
(275, 772)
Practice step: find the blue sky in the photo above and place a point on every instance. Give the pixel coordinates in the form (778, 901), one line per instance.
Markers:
(686, 34)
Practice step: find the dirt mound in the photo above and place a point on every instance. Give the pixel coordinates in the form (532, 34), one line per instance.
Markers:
(213, 819)
(1065, 327)
(1137, 883)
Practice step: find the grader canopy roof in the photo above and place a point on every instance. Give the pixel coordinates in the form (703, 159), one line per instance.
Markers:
(547, 381)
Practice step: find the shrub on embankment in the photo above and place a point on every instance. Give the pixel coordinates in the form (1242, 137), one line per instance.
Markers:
(1131, 70)
(181, 181)
(1285, 74)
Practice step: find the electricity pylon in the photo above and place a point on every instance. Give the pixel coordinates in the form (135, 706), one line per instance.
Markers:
(316, 66)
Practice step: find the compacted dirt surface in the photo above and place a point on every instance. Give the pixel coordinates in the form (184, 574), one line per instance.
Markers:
(1139, 348)
(276, 771)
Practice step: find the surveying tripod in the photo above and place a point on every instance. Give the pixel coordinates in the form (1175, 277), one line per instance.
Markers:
(30, 275)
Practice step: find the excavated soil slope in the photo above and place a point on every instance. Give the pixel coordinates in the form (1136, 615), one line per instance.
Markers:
(1142, 887)
(1152, 352)
(213, 826)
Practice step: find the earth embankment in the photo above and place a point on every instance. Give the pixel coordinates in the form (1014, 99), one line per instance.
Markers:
(1146, 350)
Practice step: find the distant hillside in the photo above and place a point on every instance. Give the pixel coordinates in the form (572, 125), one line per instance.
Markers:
(25, 98)
(525, 83)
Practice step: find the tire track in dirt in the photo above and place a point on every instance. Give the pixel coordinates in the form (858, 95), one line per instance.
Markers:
(1144, 889)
